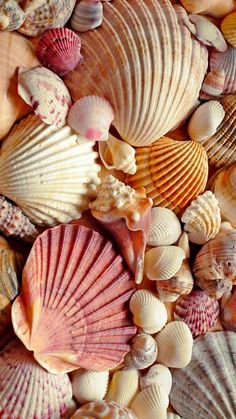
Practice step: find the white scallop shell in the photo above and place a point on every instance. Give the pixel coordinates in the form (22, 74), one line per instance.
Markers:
(157, 374)
(163, 262)
(175, 343)
(205, 120)
(123, 386)
(117, 154)
(165, 227)
(88, 386)
(148, 311)
(151, 403)
(208, 33)
(143, 352)
(86, 15)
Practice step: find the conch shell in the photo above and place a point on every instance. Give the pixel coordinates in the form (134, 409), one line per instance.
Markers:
(117, 154)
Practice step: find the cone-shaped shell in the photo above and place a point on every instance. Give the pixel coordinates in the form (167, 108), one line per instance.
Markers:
(213, 84)
(228, 311)
(216, 8)
(175, 345)
(205, 120)
(225, 61)
(141, 44)
(72, 311)
(172, 172)
(143, 352)
(165, 227)
(157, 374)
(103, 409)
(228, 27)
(88, 386)
(11, 15)
(198, 311)
(86, 15)
(123, 386)
(163, 262)
(28, 390)
(151, 403)
(211, 377)
(49, 172)
(117, 154)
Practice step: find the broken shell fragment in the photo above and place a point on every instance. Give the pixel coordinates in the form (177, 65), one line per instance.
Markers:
(205, 120)
(88, 386)
(163, 262)
(165, 227)
(143, 352)
(123, 386)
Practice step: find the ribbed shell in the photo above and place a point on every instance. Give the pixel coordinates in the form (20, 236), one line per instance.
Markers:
(165, 227)
(88, 386)
(123, 386)
(50, 173)
(151, 403)
(172, 172)
(72, 311)
(145, 64)
(86, 15)
(206, 387)
(213, 84)
(228, 27)
(227, 62)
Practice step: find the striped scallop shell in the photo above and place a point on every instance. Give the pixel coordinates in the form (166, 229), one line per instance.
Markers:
(141, 44)
(228, 27)
(213, 84)
(103, 409)
(172, 172)
(225, 61)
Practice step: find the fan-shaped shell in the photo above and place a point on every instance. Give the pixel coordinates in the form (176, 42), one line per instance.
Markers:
(157, 374)
(151, 403)
(87, 15)
(27, 390)
(104, 409)
(88, 386)
(227, 62)
(141, 44)
(143, 352)
(165, 227)
(49, 172)
(216, 8)
(59, 50)
(175, 345)
(172, 172)
(123, 386)
(211, 378)
(228, 27)
(213, 84)
(11, 15)
(163, 262)
(205, 120)
(228, 311)
(72, 311)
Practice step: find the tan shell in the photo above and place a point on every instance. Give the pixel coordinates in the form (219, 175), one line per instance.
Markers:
(163, 262)
(228, 27)
(213, 84)
(11, 15)
(157, 374)
(227, 310)
(205, 120)
(227, 62)
(165, 227)
(151, 403)
(88, 386)
(143, 352)
(208, 33)
(86, 15)
(123, 386)
(216, 8)
(116, 154)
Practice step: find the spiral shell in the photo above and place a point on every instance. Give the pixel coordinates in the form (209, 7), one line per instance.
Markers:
(143, 352)
(117, 154)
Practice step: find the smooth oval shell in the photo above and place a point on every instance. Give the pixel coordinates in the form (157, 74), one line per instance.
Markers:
(225, 61)
(87, 15)
(143, 352)
(157, 374)
(73, 312)
(151, 403)
(213, 84)
(205, 120)
(228, 27)
(103, 409)
(165, 227)
(88, 386)
(163, 262)
(123, 386)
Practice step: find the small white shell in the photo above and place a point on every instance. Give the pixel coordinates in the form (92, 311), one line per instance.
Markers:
(175, 343)
(163, 262)
(87, 15)
(89, 385)
(148, 311)
(46, 93)
(208, 33)
(117, 154)
(157, 374)
(123, 386)
(205, 120)
(151, 403)
(91, 117)
(165, 227)
(143, 352)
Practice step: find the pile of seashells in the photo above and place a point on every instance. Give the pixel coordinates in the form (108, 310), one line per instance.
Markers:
(118, 209)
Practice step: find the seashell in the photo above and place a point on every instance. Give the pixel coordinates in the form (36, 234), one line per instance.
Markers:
(198, 311)
(175, 345)
(11, 15)
(148, 311)
(59, 50)
(216, 8)
(125, 213)
(88, 386)
(46, 93)
(205, 120)
(116, 154)
(228, 312)
(78, 316)
(45, 14)
(27, 390)
(53, 173)
(143, 352)
(91, 117)
(103, 409)
(151, 403)
(158, 374)
(72, 409)
(172, 85)
(228, 27)
(225, 61)
(183, 18)
(14, 223)
(208, 33)
(165, 227)
(163, 262)
(214, 267)
(123, 386)
(202, 218)
(87, 15)
(172, 172)
(213, 84)
(211, 378)
(171, 415)
(15, 51)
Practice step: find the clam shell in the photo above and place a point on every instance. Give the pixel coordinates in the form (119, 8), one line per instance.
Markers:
(211, 378)
(228, 27)
(163, 262)
(165, 227)
(157, 374)
(171, 415)
(202, 218)
(11, 15)
(213, 84)
(148, 311)
(49, 172)
(228, 312)
(87, 15)
(171, 84)
(59, 50)
(208, 33)
(88, 386)
(27, 390)
(225, 61)
(151, 403)
(216, 8)
(77, 300)
(175, 345)
(123, 386)
(205, 120)
(116, 154)
(198, 311)
(103, 409)
(143, 352)
(172, 172)
(91, 117)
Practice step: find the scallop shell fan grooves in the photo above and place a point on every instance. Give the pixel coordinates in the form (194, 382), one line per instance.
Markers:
(140, 43)
(73, 308)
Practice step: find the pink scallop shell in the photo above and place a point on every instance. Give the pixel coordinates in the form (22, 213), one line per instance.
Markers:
(226, 61)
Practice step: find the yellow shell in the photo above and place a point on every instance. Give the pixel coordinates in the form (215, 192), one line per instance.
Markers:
(228, 27)
(216, 8)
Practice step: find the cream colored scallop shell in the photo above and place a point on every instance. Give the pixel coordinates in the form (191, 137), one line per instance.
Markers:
(165, 227)
(123, 386)
(205, 120)
(143, 352)
(157, 374)
(151, 403)
(163, 262)
(88, 386)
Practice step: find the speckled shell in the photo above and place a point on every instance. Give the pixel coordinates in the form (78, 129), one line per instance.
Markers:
(117, 154)
(228, 311)
(28, 390)
(123, 386)
(50, 173)
(157, 374)
(172, 172)
(104, 409)
(88, 386)
(116, 67)
(175, 345)
(151, 403)
(143, 352)
(211, 378)
(228, 27)
(205, 120)
(216, 8)
(227, 62)
(165, 227)
(163, 262)
(208, 33)
(213, 84)
(72, 310)
(87, 15)
(11, 15)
